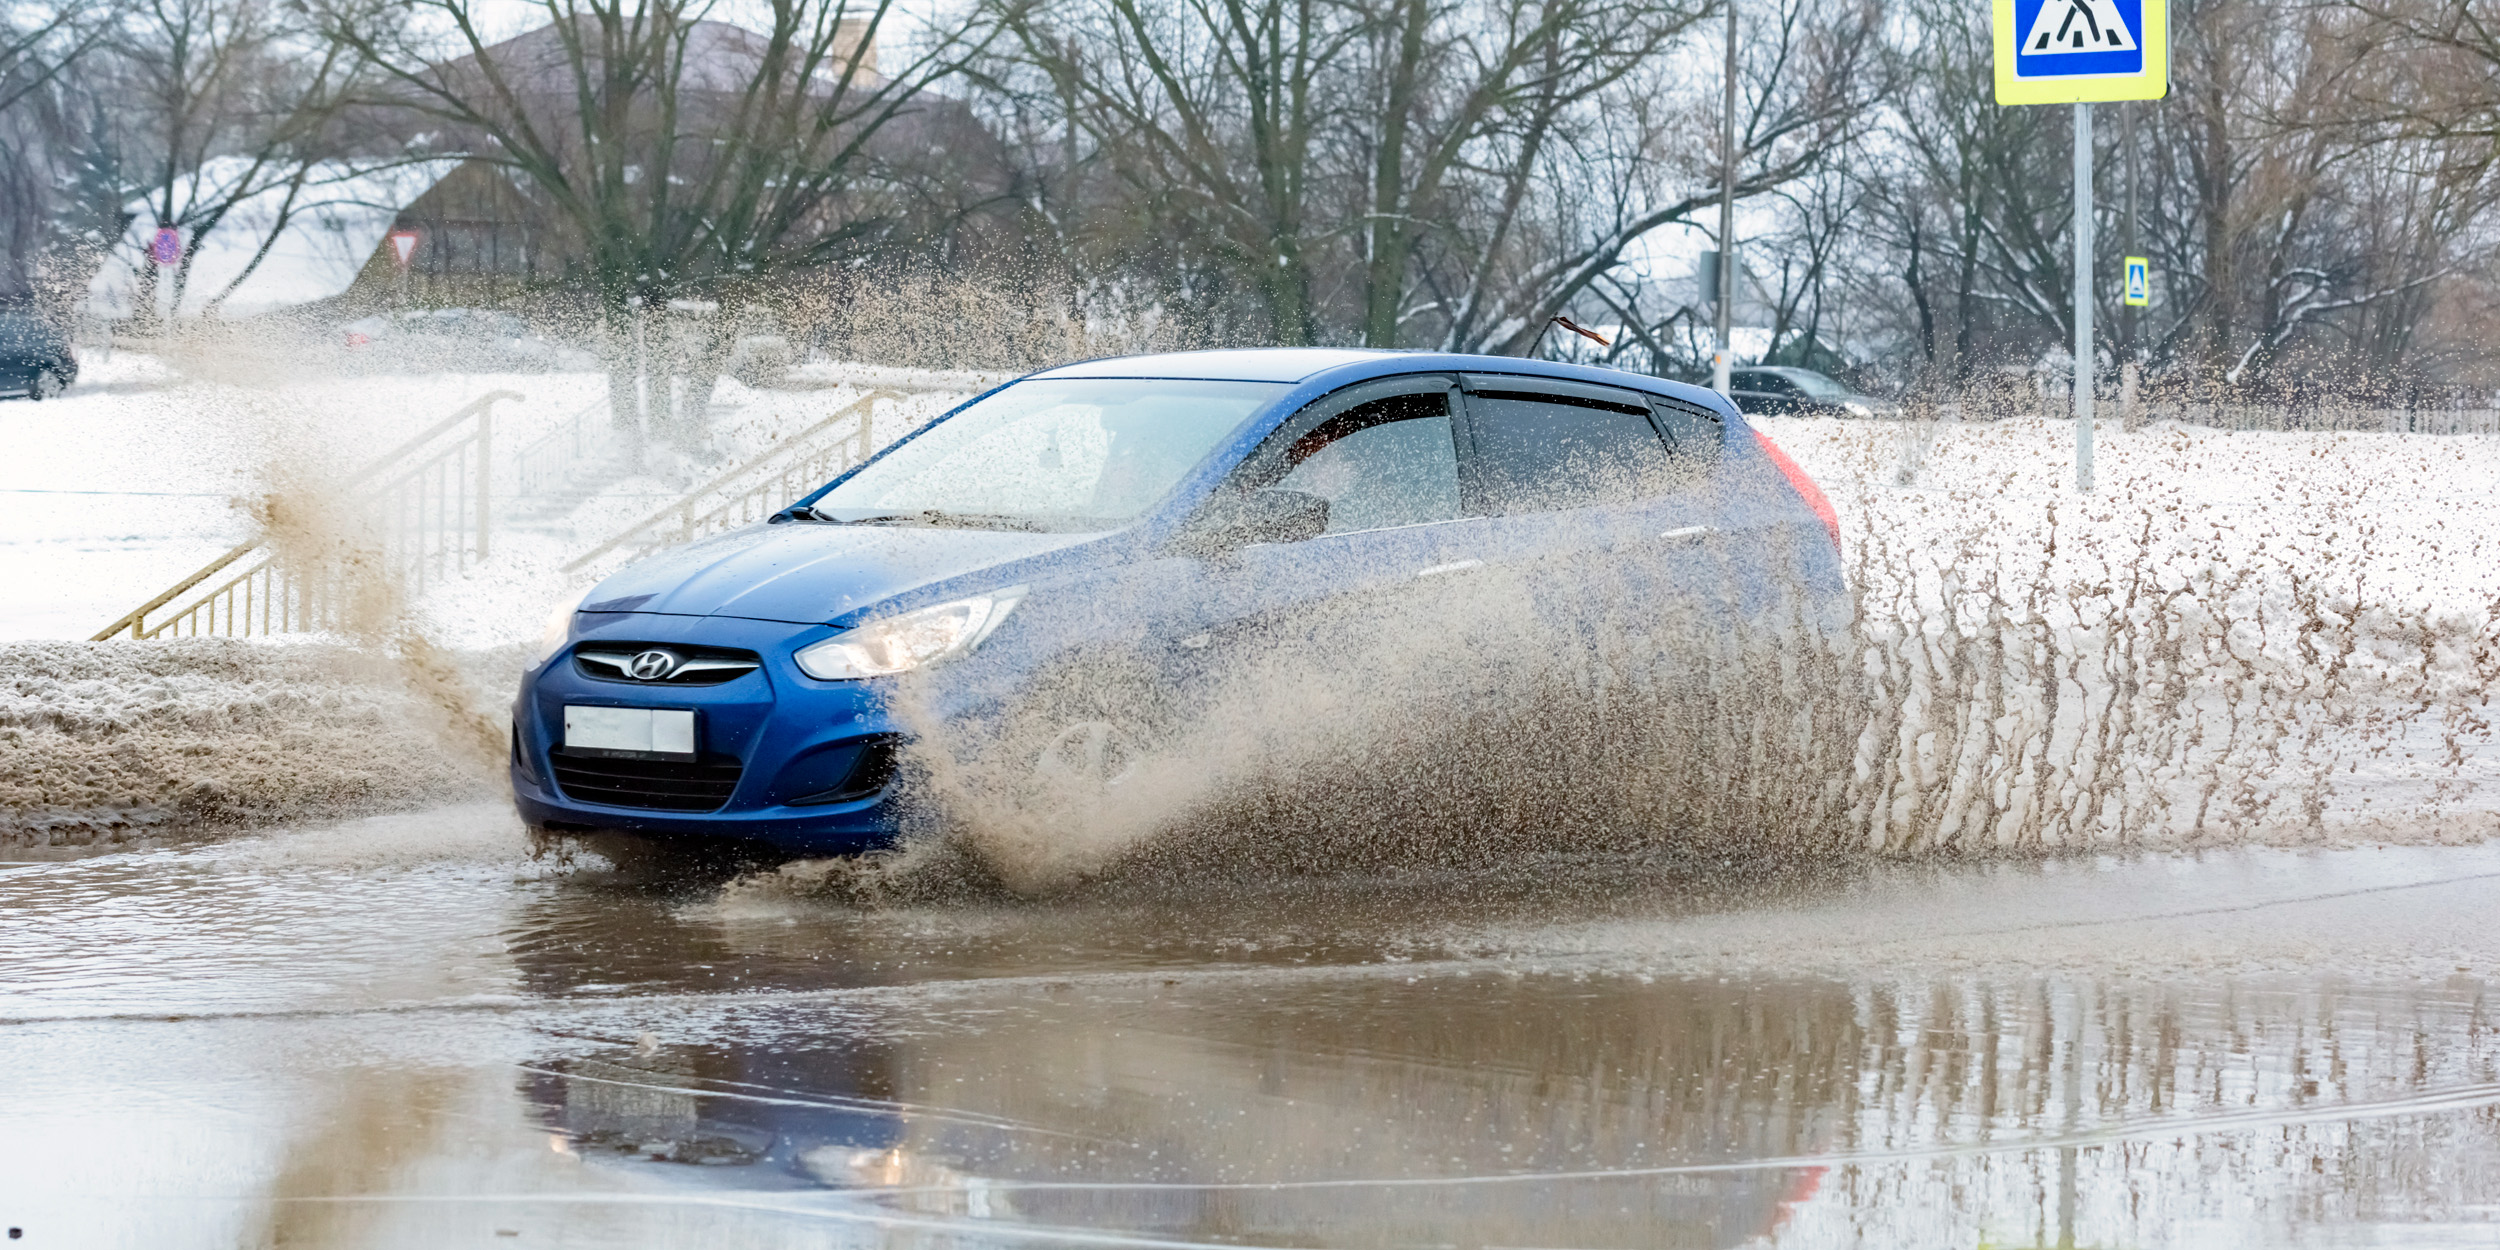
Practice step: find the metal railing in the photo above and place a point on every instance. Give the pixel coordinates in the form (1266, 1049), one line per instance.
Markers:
(548, 459)
(430, 519)
(758, 488)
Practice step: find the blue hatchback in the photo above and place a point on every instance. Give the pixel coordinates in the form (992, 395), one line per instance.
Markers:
(1139, 516)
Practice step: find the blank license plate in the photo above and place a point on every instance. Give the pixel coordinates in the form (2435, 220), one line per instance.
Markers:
(643, 733)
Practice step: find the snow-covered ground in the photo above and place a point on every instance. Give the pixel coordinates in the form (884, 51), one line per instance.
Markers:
(2397, 521)
(142, 474)
(139, 475)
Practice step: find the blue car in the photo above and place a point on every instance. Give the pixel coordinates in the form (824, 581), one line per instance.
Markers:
(1119, 528)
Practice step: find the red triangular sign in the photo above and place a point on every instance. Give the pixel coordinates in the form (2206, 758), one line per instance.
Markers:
(403, 245)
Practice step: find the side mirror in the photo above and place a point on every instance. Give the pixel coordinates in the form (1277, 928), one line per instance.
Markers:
(1261, 516)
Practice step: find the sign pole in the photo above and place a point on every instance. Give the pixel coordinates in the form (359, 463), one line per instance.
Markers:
(2083, 298)
(2076, 52)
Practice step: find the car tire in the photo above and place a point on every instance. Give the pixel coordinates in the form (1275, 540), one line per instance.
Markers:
(1086, 759)
(1082, 732)
(47, 385)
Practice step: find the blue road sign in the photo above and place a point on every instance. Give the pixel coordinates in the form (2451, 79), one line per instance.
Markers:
(2078, 51)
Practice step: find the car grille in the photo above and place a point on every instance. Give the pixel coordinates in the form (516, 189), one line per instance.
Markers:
(658, 785)
(697, 666)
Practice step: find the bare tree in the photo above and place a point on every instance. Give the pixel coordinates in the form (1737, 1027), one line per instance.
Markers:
(1810, 79)
(218, 102)
(677, 155)
(1408, 171)
(41, 140)
(1213, 111)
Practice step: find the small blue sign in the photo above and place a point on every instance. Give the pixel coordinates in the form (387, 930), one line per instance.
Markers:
(2078, 38)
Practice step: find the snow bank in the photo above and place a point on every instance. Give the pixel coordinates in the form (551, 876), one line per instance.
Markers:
(106, 741)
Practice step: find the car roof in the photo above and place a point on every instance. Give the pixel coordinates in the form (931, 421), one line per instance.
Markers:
(1339, 366)
(1247, 364)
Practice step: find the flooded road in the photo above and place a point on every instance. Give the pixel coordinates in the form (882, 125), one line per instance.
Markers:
(403, 1032)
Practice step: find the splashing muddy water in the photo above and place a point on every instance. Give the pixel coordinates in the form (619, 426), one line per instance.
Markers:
(2099, 688)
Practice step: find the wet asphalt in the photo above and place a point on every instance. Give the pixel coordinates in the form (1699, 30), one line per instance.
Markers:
(405, 1032)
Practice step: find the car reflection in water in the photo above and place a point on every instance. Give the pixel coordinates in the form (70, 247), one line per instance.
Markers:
(1353, 1109)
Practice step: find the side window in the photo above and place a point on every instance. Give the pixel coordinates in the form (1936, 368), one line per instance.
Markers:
(1380, 464)
(1540, 453)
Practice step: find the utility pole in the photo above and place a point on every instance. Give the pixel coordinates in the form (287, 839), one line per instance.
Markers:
(1724, 358)
(2083, 298)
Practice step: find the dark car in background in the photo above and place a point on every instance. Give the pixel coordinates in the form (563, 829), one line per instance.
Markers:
(35, 356)
(1779, 390)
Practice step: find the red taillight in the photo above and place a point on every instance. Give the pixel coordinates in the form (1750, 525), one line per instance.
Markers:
(1806, 489)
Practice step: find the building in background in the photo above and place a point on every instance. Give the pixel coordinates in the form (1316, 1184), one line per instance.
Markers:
(280, 248)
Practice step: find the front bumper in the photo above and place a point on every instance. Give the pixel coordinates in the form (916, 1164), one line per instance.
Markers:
(786, 733)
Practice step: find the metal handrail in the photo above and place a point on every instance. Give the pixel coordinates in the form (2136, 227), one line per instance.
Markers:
(467, 410)
(481, 409)
(132, 620)
(526, 464)
(860, 409)
(284, 604)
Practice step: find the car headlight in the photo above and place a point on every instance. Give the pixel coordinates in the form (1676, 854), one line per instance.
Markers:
(899, 644)
(1857, 409)
(559, 628)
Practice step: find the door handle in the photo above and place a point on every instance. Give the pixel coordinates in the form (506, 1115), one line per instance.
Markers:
(1454, 566)
(1683, 532)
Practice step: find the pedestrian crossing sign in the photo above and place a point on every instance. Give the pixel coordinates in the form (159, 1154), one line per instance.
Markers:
(2080, 51)
(2139, 282)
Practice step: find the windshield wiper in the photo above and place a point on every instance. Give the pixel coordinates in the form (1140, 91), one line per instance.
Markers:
(944, 520)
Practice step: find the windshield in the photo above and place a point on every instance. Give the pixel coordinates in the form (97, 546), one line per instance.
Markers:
(1052, 454)
(1816, 386)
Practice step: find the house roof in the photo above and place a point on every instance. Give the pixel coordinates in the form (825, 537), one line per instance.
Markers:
(719, 57)
(336, 221)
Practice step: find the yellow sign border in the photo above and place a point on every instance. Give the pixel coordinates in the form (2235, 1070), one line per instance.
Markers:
(2126, 286)
(2151, 84)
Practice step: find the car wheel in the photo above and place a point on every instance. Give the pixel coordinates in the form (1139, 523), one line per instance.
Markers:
(1083, 732)
(47, 384)
(1086, 759)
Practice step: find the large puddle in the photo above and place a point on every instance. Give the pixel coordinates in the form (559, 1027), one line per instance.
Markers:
(404, 1033)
